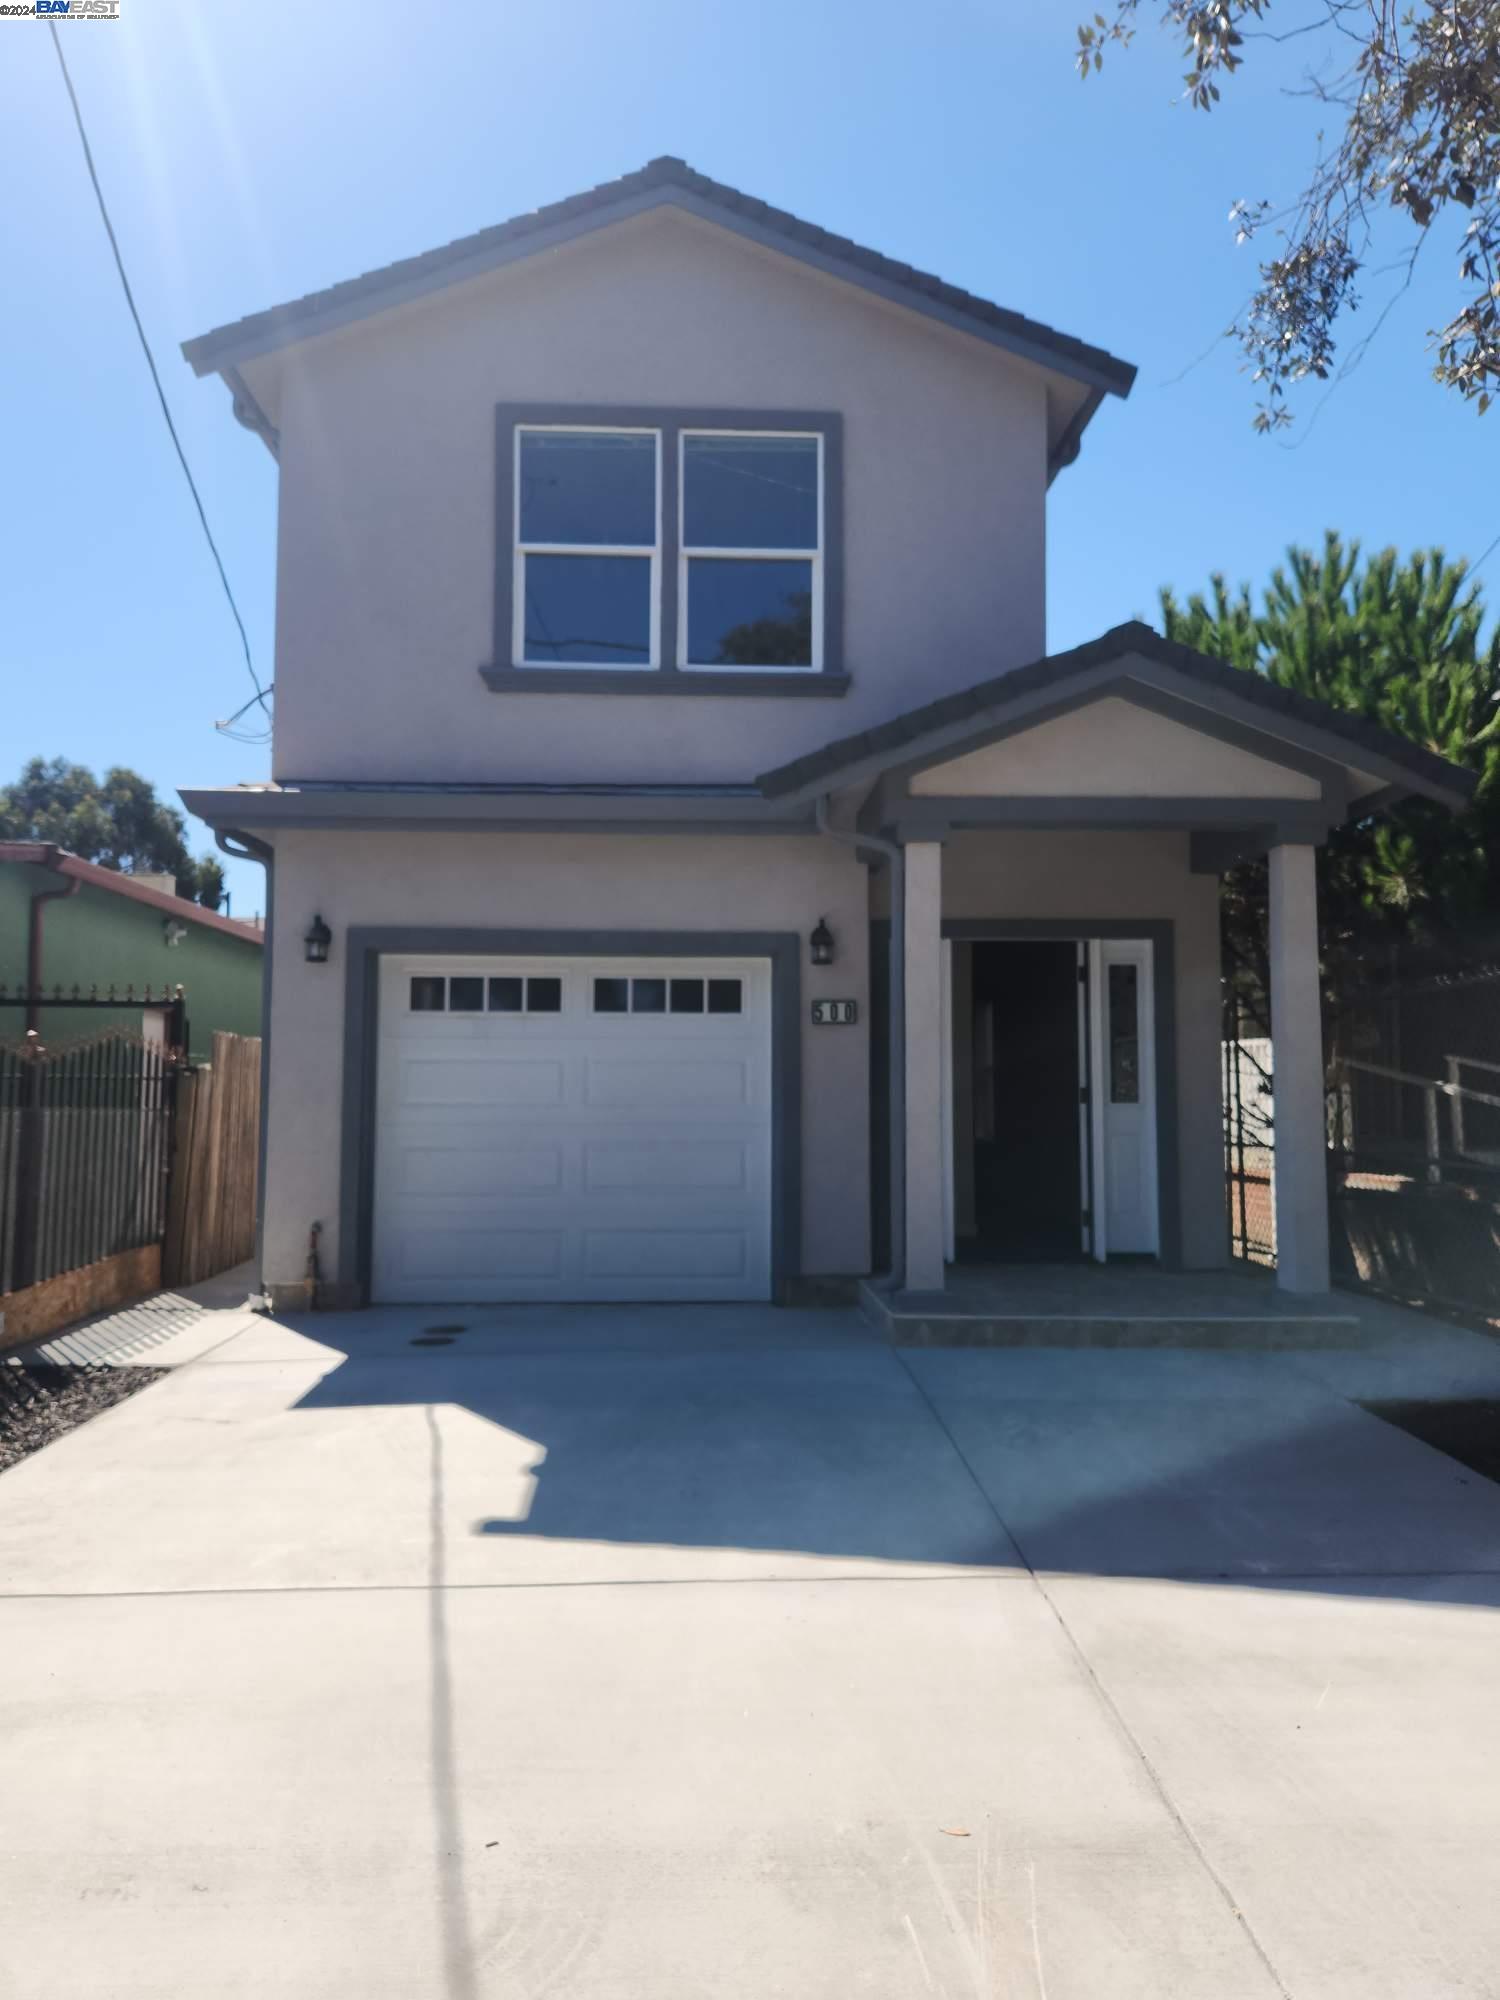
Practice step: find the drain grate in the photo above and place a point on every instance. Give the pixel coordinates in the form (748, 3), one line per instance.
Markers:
(437, 1336)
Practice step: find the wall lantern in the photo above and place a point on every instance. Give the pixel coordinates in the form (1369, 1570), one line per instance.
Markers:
(319, 937)
(821, 943)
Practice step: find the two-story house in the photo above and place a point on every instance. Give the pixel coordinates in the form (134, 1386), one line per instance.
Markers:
(692, 877)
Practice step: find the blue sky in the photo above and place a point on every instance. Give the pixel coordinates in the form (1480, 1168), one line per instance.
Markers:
(252, 150)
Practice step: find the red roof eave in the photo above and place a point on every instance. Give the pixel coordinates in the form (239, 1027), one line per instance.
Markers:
(41, 854)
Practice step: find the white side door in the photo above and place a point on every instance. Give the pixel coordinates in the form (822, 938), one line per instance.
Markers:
(950, 1164)
(1091, 1099)
(1124, 1008)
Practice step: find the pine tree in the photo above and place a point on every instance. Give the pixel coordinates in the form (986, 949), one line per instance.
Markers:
(1401, 642)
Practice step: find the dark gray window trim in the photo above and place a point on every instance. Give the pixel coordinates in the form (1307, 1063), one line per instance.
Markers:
(365, 945)
(501, 675)
(1275, 820)
(1162, 935)
(636, 680)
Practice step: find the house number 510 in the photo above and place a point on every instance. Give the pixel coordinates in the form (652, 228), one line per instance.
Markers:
(835, 1013)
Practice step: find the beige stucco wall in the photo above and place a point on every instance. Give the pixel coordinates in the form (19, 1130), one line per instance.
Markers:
(1113, 749)
(386, 555)
(559, 882)
(1066, 877)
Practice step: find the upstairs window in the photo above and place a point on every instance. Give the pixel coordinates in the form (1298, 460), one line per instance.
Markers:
(588, 548)
(750, 585)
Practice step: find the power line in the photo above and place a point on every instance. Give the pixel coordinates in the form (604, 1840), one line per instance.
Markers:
(88, 156)
(1474, 568)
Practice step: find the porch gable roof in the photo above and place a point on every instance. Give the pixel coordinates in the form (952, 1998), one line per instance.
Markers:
(1285, 726)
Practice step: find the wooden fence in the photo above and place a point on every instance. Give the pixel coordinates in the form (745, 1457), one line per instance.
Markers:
(216, 1154)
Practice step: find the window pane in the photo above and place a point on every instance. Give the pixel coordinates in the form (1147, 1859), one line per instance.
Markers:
(749, 493)
(588, 486)
(505, 996)
(427, 996)
(723, 996)
(466, 996)
(1124, 1036)
(589, 608)
(687, 996)
(544, 996)
(648, 996)
(611, 996)
(749, 614)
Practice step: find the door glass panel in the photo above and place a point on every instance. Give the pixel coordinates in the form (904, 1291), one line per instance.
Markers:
(1124, 1035)
(505, 996)
(687, 996)
(611, 996)
(427, 995)
(466, 996)
(724, 996)
(648, 996)
(544, 996)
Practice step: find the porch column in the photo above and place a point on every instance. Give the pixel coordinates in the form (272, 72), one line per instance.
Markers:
(1301, 1155)
(924, 1066)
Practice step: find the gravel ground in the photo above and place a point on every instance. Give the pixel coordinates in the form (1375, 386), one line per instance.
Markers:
(42, 1400)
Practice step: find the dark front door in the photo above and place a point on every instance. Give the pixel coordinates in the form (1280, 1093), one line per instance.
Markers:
(1027, 1199)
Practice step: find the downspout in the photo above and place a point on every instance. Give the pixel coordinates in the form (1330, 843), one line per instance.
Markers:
(34, 937)
(265, 854)
(891, 1280)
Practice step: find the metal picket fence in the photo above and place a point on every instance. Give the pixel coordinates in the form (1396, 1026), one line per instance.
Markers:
(85, 1151)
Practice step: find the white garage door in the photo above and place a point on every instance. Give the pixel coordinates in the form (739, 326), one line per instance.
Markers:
(563, 1128)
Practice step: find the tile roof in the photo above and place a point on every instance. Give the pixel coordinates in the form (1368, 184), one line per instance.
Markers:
(666, 177)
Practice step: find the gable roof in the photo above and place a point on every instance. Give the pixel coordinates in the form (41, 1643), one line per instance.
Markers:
(43, 854)
(664, 181)
(1214, 683)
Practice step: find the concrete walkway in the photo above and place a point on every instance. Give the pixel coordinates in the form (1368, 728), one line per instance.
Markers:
(655, 1654)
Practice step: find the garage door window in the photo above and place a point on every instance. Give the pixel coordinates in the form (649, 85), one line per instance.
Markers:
(667, 996)
(468, 993)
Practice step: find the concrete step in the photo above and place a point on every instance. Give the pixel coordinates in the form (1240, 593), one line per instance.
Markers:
(947, 1319)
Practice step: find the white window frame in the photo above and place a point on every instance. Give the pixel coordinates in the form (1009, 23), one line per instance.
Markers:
(522, 549)
(685, 555)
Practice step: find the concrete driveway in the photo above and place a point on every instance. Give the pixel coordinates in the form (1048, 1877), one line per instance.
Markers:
(630, 1655)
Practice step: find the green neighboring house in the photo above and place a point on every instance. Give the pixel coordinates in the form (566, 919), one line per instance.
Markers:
(66, 922)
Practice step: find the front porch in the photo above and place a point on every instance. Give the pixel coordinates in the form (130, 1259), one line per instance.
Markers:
(1086, 806)
(1060, 1091)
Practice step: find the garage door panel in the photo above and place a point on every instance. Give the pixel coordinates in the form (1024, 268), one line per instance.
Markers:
(470, 1076)
(667, 1082)
(666, 1165)
(665, 1253)
(571, 1152)
(434, 1256)
(480, 1170)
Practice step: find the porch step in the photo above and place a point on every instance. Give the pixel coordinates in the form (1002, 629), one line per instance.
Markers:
(946, 1319)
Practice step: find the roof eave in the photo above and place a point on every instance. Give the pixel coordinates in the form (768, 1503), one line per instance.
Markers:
(91, 874)
(228, 347)
(941, 728)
